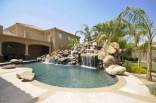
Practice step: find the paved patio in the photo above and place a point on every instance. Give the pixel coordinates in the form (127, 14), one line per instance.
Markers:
(129, 90)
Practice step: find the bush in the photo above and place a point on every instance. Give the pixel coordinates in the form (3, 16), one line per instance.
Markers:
(133, 68)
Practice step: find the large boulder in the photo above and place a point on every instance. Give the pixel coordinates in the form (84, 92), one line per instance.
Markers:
(94, 44)
(115, 70)
(73, 62)
(39, 59)
(26, 76)
(101, 55)
(115, 45)
(109, 60)
(63, 60)
(74, 53)
(47, 56)
(10, 66)
(66, 53)
(113, 48)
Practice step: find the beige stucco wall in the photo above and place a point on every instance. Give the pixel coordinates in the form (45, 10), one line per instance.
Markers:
(54, 39)
(30, 33)
(7, 38)
(27, 32)
(24, 41)
(47, 36)
(12, 29)
(57, 38)
(60, 39)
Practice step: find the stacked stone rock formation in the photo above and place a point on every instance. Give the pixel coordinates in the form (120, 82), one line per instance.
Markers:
(108, 55)
(111, 60)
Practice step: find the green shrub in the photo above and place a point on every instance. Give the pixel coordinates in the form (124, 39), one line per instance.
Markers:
(133, 68)
(72, 42)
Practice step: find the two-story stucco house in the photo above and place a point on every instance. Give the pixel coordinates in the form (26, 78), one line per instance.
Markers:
(28, 41)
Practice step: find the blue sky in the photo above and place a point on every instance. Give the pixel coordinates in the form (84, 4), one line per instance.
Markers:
(68, 15)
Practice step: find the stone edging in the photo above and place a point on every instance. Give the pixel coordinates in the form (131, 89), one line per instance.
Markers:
(53, 89)
(121, 82)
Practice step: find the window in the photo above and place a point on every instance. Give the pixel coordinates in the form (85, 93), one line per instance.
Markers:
(60, 36)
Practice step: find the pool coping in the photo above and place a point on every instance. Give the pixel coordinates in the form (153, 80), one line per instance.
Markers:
(54, 89)
(115, 88)
(120, 83)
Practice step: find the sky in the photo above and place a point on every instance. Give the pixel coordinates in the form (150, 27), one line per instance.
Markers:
(68, 15)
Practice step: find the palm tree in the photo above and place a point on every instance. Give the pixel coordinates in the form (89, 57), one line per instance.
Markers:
(111, 31)
(151, 32)
(86, 32)
(72, 42)
(135, 31)
(143, 49)
(101, 33)
(138, 17)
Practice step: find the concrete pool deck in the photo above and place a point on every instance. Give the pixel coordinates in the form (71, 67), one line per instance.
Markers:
(129, 89)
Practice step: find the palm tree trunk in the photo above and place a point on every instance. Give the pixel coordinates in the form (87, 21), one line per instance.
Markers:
(139, 58)
(149, 60)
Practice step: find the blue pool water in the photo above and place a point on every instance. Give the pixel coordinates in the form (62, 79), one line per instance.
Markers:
(71, 76)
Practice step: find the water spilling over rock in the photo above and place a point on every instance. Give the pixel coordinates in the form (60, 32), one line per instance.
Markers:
(87, 54)
(89, 59)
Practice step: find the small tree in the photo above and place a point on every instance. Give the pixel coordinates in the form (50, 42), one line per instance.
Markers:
(110, 31)
(134, 29)
(87, 32)
(72, 42)
(139, 17)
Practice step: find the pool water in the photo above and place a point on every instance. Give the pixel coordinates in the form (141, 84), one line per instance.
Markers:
(71, 76)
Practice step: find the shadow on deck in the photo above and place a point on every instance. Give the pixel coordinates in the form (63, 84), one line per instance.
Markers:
(11, 94)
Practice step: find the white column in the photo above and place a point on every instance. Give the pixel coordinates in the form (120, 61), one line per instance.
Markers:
(26, 49)
(0, 49)
(50, 49)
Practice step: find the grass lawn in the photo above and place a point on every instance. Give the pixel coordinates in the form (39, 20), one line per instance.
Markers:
(144, 65)
(153, 66)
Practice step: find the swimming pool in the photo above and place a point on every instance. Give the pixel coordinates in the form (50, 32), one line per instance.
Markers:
(71, 76)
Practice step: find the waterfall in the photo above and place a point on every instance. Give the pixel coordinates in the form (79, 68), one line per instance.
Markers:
(89, 59)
